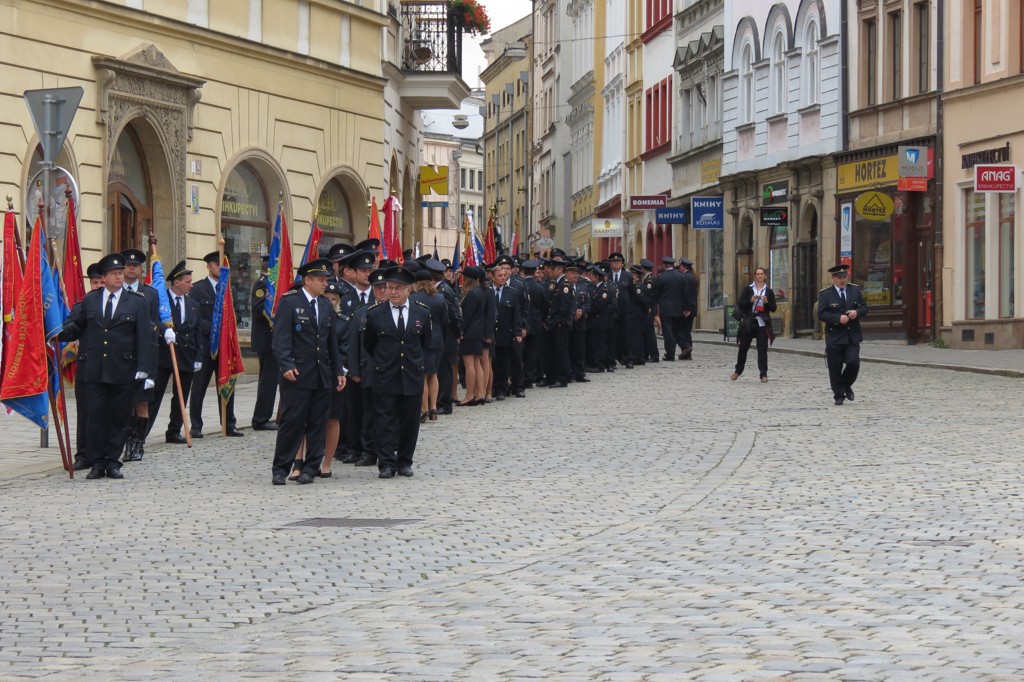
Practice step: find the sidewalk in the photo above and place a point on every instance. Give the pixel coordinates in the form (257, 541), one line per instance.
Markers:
(20, 454)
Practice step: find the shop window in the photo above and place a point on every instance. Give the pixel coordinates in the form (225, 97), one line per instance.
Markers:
(974, 224)
(923, 47)
(246, 225)
(334, 216)
(747, 88)
(872, 260)
(714, 258)
(779, 80)
(896, 54)
(870, 62)
(778, 259)
(1007, 254)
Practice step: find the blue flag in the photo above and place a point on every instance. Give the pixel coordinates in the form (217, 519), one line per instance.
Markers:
(273, 267)
(218, 311)
(455, 256)
(160, 284)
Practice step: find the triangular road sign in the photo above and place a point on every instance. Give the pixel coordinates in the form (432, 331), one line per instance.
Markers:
(52, 112)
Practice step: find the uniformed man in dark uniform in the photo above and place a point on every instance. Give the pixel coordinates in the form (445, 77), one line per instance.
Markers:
(138, 424)
(336, 254)
(508, 329)
(620, 278)
(517, 370)
(600, 321)
(185, 320)
(115, 356)
(306, 347)
(578, 334)
(533, 356)
(356, 268)
(650, 338)
(684, 337)
(262, 345)
(840, 307)
(450, 356)
(670, 292)
(561, 315)
(361, 373)
(638, 312)
(82, 414)
(205, 294)
(396, 334)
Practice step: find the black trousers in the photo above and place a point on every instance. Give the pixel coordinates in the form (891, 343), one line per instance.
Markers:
(623, 342)
(352, 424)
(839, 377)
(163, 377)
(266, 389)
(368, 442)
(81, 423)
(684, 332)
(743, 341)
(200, 382)
(533, 356)
(559, 369)
(501, 362)
(670, 327)
(445, 378)
(578, 352)
(397, 418)
(517, 368)
(109, 407)
(650, 340)
(304, 413)
(602, 357)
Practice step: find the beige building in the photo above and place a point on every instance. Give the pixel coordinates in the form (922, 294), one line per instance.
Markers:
(200, 117)
(980, 244)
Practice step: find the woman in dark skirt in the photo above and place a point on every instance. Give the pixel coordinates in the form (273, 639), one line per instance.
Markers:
(758, 300)
(426, 293)
(340, 321)
(471, 346)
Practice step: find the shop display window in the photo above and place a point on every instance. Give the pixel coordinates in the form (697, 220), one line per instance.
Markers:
(245, 225)
(715, 258)
(873, 268)
(1007, 215)
(778, 260)
(975, 237)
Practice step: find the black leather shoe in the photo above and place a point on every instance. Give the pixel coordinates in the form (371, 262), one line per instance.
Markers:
(386, 472)
(629, 365)
(558, 384)
(849, 394)
(265, 426)
(96, 472)
(610, 369)
(81, 464)
(653, 359)
(175, 438)
(839, 401)
(351, 459)
(520, 394)
(669, 358)
(235, 433)
(304, 478)
(499, 397)
(115, 473)
(405, 471)
(582, 380)
(196, 434)
(279, 479)
(366, 462)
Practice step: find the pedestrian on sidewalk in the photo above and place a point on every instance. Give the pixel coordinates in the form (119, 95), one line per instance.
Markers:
(758, 302)
(840, 307)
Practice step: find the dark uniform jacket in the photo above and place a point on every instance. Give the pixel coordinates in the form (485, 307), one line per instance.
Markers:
(509, 320)
(186, 337)
(397, 360)
(622, 294)
(262, 330)
(601, 307)
(583, 296)
(561, 303)
(206, 297)
(690, 295)
(451, 298)
(538, 306)
(111, 353)
(350, 301)
(490, 313)
(358, 360)
(474, 309)
(831, 307)
(342, 332)
(438, 316)
(670, 293)
(305, 342)
(518, 282)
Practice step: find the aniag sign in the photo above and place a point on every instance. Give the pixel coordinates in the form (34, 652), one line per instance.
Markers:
(995, 178)
(874, 206)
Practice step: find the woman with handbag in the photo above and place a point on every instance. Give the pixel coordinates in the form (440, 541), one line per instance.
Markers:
(756, 303)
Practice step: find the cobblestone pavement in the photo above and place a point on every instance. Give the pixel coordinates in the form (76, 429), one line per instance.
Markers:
(656, 524)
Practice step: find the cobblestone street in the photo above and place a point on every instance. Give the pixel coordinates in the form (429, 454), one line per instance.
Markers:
(662, 523)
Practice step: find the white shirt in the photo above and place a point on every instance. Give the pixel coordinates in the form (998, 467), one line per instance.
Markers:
(753, 285)
(133, 287)
(364, 295)
(213, 282)
(313, 304)
(106, 295)
(405, 313)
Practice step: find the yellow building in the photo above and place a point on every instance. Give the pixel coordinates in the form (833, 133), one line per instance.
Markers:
(199, 117)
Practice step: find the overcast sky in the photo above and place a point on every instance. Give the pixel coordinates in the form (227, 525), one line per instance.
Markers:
(502, 13)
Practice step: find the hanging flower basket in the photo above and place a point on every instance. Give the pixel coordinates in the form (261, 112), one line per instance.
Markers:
(470, 16)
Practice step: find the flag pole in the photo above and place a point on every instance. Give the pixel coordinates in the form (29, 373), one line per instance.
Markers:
(220, 399)
(173, 353)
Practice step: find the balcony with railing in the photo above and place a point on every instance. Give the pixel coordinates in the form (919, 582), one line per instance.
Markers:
(431, 54)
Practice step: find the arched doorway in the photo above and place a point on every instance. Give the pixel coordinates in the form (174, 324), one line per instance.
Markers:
(338, 207)
(129, 195)
(805, 267)
(652, 245)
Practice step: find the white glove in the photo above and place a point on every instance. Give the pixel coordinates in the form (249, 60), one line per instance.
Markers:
(149, 384)
(140, 375)
(196, 366)
(169, 336)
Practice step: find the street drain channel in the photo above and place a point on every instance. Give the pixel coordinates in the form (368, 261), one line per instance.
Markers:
(324, 522)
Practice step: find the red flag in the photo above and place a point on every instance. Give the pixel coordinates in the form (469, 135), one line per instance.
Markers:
(375, 227)
(490, 251)
(391, 228)
(25, 351)
(74, 287)
(229, 354)
(12, 267)
(285, 273)
(312, 251)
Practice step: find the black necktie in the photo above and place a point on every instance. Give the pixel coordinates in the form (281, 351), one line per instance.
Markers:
(177, 311)
(497, 295)
(108, 314)
(401, 319)
(316, 319)
(362, 298)
(842, 295)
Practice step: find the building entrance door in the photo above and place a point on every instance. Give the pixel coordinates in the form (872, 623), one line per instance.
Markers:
(806, 257)
(127, 219)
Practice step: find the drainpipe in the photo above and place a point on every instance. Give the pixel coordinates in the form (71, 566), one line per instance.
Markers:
(940, 64)
(844, 69)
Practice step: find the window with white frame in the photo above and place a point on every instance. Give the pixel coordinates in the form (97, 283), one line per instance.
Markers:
(747, 84)
(812, 66)
(778, 74)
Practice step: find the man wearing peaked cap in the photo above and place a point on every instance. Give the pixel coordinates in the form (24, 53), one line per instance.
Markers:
(94, 275)
(669, 297)
(308, 355)
(138, 424)
(357, 293)
(115, 355)
(204, 292)
(372, 245)
(396, 336)
(262, 345)
(684, 337)
(840, 307)
(82, 422)
(620, 280)
(360, 388)
(647, 287)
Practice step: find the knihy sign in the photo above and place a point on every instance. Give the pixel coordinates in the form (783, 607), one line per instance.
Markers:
(708, 213)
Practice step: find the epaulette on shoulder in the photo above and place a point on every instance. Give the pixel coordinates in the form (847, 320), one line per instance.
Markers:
(851, 284)
(375, 305)
(422, 305)
(825, 288)
(290, 292)
(136, 293)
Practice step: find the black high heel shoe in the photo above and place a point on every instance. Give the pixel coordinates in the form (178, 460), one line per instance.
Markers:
(423, 418)
(433, 415)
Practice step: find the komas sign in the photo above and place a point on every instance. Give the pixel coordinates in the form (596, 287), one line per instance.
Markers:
(707, 213)
(995, 178)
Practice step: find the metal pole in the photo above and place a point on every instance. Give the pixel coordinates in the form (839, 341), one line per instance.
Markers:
(48, 104)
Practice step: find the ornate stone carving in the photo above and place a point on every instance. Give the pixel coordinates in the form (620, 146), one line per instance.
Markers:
(145, 84)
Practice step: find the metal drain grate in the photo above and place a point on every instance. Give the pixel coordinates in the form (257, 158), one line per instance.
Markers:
(351, 523)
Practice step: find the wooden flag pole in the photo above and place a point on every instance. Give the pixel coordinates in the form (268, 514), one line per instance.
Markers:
(216, 375)
(181, 395)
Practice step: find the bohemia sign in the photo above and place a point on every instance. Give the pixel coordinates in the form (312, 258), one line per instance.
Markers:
(995, 178)
(646, 202)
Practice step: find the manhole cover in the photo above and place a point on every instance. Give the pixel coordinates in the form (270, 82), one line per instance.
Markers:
(352, 523)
